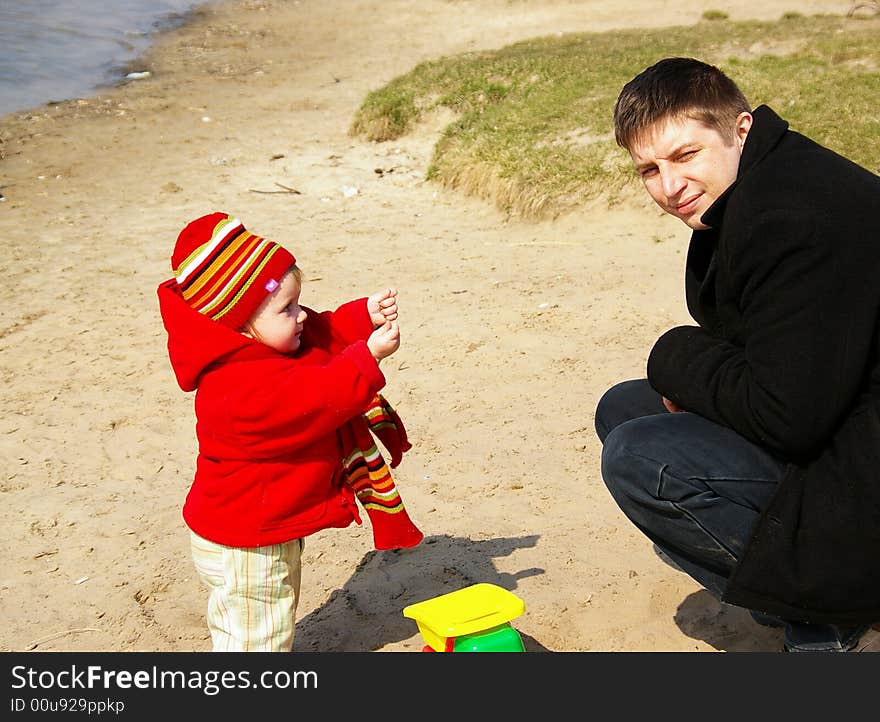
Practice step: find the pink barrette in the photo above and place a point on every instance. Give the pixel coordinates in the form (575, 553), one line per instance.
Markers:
(271, 285)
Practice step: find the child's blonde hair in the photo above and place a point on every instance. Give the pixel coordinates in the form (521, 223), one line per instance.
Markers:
(249, 329)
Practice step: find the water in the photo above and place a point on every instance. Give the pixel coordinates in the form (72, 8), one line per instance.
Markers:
(52, 50)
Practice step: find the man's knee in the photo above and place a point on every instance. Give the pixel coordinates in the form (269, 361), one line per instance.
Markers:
(623, 402)
(622, 467)
(602, 414)
(610, 409)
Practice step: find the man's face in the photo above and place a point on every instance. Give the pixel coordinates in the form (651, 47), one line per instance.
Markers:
(686, 164)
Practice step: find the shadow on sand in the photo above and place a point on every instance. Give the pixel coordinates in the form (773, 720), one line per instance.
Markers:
(723, 626)
(373, 598)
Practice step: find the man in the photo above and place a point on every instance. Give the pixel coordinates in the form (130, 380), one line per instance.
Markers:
(751, 453)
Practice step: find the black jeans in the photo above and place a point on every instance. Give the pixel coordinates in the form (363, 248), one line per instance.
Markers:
(696, 489)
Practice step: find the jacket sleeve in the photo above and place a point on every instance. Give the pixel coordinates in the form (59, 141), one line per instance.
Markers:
(295, 407)
(342, 327)
(806, 340)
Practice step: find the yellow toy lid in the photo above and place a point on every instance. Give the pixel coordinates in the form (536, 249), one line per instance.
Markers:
(466, 611)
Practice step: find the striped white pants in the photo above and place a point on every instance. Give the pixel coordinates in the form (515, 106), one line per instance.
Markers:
(254, 593)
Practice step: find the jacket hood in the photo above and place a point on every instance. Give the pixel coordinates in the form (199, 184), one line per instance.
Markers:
(195, 342)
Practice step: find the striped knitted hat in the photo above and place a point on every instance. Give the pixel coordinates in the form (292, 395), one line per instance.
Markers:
(224, 271)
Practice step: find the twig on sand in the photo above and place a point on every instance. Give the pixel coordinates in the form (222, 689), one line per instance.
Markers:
(287, 189)
(872, 5)
(49, 638)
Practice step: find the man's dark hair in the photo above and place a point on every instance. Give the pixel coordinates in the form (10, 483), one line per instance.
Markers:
(677, 88)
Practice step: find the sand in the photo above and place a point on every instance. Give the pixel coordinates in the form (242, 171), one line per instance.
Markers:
(512, 329)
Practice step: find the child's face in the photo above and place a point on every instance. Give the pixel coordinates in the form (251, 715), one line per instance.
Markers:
(278, 322)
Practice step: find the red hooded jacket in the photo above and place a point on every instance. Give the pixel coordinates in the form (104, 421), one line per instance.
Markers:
(269, 467)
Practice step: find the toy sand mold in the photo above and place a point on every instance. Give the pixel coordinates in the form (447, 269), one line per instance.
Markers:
(473, 619)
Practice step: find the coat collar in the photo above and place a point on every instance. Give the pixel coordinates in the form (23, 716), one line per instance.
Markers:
(766, 131)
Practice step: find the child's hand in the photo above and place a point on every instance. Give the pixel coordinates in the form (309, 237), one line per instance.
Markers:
(384, 341)
(382, 306)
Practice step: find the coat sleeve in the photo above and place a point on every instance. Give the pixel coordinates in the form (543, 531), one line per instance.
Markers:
(342, 327)
(297, 406)
(805, 341)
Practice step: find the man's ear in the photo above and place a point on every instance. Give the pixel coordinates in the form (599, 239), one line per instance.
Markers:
(743, 126)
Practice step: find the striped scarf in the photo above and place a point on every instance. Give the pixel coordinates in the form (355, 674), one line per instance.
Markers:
(369, 476)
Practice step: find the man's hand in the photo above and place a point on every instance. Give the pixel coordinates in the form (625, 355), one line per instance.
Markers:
(671, 406)
(384, 341)
(382, 307)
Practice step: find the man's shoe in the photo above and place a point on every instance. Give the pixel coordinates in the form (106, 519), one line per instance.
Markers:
(802, 637)
(870, 640)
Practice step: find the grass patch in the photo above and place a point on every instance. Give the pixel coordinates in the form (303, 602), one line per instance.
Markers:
(533, 121)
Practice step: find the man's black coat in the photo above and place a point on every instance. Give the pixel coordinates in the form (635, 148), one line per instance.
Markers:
(785, 287)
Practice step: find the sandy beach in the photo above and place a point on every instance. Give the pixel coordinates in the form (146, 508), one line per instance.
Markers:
(511, 329)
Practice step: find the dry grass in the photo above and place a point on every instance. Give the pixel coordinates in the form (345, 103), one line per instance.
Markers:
(532, 121)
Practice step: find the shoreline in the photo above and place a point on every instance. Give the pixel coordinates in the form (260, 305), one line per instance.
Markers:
(97, 72)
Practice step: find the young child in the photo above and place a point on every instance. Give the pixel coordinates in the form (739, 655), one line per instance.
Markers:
(285, 402)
